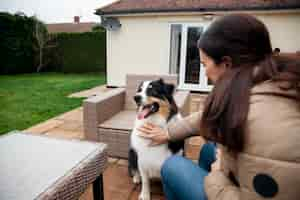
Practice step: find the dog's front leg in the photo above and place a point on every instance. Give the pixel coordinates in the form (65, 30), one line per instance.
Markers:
(145, 193)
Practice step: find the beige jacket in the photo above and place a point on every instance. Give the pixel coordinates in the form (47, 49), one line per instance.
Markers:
(269, 165)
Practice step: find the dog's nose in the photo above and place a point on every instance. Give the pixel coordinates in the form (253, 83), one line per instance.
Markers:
(137, 99)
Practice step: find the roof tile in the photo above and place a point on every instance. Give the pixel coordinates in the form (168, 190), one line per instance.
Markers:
(142, 6)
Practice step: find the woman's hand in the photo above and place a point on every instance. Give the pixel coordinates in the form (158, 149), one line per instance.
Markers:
(154, 133)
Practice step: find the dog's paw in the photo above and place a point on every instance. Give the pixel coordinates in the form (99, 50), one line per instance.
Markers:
(136, 179)
(144, 196)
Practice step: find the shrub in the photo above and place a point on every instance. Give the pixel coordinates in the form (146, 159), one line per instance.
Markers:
(26, 47)
(18, 44)
(81, 52)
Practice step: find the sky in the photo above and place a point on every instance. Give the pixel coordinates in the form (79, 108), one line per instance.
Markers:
(56, 11)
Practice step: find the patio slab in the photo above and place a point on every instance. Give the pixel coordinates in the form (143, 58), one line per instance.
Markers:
(60, 133)
(73, 115)
(70, 125)
(43, 127)
(117, 184)
(156, 192)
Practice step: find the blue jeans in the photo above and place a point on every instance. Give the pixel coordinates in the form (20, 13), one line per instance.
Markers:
(183, 179)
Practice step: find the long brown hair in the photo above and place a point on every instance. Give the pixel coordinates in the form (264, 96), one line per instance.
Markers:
(246, 41)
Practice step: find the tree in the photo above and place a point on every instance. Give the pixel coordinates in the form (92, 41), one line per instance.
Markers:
(16, 43)
(42, 39)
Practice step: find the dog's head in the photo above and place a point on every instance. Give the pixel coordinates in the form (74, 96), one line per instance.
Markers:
(155, 97)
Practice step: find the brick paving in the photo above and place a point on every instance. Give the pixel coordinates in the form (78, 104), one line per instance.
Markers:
(117, 184)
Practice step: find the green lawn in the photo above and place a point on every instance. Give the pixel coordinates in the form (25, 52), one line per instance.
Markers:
(28, 99)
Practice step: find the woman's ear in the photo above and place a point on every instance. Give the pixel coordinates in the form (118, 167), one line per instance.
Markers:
(227, 62)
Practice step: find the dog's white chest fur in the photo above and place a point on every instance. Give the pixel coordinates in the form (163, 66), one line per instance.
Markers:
(155, 105)
(150, 158)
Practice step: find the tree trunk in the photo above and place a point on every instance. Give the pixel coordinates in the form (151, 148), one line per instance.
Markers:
(41, 59)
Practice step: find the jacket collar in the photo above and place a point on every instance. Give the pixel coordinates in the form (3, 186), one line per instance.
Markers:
(279, 88)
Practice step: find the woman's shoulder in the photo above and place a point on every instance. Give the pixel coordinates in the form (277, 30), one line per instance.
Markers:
(272, 102)
(273, 119)
(271, 94)
(275, 88)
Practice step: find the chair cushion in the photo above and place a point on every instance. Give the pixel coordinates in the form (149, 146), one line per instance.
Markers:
(123, 120)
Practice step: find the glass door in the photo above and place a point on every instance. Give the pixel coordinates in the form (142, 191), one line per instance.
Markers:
(191, 71)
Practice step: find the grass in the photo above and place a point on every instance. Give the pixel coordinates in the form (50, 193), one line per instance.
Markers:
(28, 99)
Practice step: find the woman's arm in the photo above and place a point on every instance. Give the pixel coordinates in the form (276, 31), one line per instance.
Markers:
(176, 130)
(185, 127)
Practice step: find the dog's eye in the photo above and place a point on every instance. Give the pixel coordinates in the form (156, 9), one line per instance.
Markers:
(139, 89)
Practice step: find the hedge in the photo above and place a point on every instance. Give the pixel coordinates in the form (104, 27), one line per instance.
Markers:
(81, 52)
(17, 43)
(64, 52)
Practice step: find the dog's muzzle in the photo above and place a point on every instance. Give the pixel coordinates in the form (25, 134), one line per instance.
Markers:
(148, 110)
(138, 100)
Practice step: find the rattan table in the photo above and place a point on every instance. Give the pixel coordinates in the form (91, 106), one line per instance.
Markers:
(40, 167)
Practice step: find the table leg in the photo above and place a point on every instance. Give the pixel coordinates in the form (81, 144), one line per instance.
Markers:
(98, 188)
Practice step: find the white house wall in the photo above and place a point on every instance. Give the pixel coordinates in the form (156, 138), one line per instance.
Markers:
(284, 30)
(141, 45)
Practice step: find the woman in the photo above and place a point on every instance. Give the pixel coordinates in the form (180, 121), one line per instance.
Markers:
(253, 114)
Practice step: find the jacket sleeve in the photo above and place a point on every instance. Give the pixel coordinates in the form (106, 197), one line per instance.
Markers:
(219, 187)
(185, 127)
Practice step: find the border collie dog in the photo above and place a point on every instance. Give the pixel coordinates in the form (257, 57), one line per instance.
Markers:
(156, 105)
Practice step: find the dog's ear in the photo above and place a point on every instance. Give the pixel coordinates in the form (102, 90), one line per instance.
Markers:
(161, 81)
(139, 88)
(169, 88)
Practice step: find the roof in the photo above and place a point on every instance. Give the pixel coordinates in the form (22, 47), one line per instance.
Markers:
(70, 27)
(151, 6)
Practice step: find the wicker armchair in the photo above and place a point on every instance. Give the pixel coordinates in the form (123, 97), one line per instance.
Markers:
(109, 118)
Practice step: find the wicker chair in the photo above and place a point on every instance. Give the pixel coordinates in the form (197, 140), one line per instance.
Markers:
(109, 118)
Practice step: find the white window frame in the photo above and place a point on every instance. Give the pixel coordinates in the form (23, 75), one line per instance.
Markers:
(203, 85)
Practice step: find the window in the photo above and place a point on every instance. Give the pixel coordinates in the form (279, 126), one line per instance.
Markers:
(185, 59)
(175, 49)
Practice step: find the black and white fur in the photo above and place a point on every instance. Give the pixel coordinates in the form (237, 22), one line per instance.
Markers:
(145, 161)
